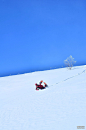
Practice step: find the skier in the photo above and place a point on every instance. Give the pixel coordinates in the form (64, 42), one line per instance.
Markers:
(39, 86)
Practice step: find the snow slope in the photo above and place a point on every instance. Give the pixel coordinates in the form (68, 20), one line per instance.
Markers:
(62, 106)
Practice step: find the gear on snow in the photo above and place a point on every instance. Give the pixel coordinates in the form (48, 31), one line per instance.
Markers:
(40, 86)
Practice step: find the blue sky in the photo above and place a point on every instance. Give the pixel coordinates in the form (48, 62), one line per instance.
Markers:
(36, 35)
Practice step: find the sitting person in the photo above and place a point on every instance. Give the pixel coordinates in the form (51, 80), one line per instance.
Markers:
(40, 86)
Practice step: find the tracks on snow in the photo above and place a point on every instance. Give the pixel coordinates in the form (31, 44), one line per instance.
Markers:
(69, 78)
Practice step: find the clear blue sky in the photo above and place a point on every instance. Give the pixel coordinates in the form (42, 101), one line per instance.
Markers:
(39, 34)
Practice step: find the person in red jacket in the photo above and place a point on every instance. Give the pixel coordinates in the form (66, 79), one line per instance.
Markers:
(39, 86)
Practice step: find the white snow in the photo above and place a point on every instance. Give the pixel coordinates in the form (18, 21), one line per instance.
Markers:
(61, 106)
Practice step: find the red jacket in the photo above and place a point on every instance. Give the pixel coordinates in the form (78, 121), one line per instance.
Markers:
(39, 86)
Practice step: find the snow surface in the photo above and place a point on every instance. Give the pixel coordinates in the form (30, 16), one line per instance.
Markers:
(61, 106)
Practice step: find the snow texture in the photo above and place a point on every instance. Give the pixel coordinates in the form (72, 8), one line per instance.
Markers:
(61, 106)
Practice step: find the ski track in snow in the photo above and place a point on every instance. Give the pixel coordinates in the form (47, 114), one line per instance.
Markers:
(60, 106)
(70, 77)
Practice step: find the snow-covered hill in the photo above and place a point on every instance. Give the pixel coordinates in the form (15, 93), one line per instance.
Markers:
(61, 106)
